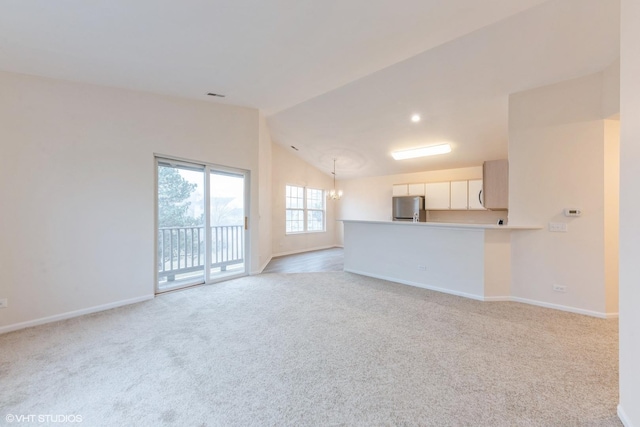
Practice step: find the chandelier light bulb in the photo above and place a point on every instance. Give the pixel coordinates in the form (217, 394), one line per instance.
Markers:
(334, 194)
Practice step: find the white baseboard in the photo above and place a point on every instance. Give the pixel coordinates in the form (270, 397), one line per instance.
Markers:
(490, 299)
(418, 285)
(261, 269)
(497, 299)
(561, 307)
(70, 314)
(301, 251)
(623, 417)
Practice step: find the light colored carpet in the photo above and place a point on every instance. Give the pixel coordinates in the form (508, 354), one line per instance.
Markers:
(316, 349)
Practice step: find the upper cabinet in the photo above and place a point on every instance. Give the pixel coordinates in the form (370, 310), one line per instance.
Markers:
(437, 195)
(475, 194)
(416, 189)
(459, 195)
(466, 195)
(408, 190)
(400, 190)
(495, 192)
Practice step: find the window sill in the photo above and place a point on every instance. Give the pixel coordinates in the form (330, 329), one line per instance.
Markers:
(293, 233)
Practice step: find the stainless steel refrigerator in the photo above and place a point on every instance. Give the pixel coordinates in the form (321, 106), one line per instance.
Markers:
(409, 208)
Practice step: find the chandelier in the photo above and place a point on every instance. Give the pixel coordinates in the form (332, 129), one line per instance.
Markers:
(334, 194)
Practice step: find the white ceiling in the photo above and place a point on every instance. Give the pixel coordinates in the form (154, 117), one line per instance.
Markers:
(337, 79)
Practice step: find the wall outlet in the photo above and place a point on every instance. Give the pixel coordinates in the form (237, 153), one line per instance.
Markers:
(558, 227)
(422, 267)
(559, 288)
(4, 303)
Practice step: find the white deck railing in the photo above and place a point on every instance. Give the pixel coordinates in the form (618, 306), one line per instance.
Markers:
(181, 249)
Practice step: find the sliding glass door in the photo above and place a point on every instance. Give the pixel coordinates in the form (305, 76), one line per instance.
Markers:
(227, 222)
(201, 222)
(181, 222)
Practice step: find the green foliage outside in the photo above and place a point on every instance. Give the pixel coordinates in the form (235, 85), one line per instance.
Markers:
(174, 210)
(173, 203)
(173, 194)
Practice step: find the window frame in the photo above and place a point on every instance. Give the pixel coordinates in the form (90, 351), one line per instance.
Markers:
(305, 210)
(287, 209)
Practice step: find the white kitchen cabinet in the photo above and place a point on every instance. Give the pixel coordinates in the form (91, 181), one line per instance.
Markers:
(475, 194)
(437, 195)
(459, 195)
(400, 190)
(455, 195)
(416, 189)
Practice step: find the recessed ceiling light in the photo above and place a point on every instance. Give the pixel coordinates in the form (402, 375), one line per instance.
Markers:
(415, 118)
(422, 152)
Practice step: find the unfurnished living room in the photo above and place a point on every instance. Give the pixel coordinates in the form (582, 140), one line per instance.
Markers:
(264, 213)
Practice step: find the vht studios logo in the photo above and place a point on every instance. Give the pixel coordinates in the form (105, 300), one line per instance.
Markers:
(43, 418)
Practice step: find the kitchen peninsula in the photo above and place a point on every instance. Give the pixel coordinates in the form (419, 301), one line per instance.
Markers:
(470, 260)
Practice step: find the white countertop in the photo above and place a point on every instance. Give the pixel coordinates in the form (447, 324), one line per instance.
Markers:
(448, 225)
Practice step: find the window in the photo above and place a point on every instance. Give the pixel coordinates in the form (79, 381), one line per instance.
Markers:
(304, 209)
(295, 209)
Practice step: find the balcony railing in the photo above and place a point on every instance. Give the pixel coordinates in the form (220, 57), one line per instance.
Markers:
(182, 249)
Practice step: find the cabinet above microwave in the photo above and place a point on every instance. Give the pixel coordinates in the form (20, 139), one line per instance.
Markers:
(496, 184)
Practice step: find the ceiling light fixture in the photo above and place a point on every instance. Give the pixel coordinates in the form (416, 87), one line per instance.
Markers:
(422, 152)
(415, 118)
(334, 194)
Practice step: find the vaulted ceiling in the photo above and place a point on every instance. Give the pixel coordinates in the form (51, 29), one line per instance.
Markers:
(335, 79)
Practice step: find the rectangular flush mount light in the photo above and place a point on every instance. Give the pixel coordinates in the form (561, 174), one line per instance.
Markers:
(422, 152)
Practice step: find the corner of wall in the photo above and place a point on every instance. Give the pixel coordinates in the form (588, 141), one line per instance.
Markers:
(611, 212)
(557, 161)
(265, 171)
(624, 418)
(289, 169)
(611, 90)
(629, 410)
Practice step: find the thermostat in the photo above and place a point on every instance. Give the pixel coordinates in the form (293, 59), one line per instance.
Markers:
(572, 212)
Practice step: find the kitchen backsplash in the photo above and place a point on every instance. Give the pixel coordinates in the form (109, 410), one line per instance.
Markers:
(467, 217)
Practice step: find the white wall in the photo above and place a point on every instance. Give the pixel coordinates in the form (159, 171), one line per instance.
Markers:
(611, 91)
(266, 196)
(290, 169)
(556, 158)
(497, 263)
(629, 207)
(77, 187)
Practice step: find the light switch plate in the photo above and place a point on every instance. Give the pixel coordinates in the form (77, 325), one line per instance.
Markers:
(4, 303)
(558, 227)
